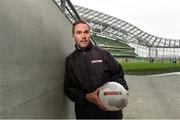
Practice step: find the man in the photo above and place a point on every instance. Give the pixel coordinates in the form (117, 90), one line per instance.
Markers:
(88, 68)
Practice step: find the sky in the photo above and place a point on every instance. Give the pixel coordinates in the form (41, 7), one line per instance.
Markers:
(157, 17)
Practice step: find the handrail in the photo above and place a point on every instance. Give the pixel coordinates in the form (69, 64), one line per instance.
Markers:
(73, 9)
(67, 8)
(69, 11)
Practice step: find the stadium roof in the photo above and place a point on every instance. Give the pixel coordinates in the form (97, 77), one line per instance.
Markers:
(115, 28)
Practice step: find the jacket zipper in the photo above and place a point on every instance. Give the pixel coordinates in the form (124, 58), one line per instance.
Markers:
(87, 68)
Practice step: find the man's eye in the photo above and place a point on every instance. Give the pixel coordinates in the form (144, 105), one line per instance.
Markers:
(78, 32)
(86, 31)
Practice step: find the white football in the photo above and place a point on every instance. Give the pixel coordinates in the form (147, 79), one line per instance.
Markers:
(113, 96)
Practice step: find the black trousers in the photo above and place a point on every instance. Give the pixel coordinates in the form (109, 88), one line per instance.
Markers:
(91, 111)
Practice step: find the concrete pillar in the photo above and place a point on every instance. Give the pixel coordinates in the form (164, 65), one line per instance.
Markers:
(35, 38)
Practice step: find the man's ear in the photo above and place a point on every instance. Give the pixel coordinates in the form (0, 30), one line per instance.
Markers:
(73, 38)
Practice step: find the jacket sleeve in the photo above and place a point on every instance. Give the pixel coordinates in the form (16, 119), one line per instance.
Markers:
(116, 71)
(71, 89)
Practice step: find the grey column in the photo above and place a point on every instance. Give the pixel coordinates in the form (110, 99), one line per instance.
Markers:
(35, 38)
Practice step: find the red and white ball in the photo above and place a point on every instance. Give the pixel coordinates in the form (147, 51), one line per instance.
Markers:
(113, 96)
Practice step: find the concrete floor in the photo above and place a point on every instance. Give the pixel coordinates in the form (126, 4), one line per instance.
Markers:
(153, 97)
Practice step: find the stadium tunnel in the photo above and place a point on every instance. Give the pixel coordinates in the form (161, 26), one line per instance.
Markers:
(35, 38)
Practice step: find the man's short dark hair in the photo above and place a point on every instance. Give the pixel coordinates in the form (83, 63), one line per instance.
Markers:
(79, 22)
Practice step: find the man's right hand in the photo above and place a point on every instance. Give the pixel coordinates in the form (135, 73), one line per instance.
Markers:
(93, 98)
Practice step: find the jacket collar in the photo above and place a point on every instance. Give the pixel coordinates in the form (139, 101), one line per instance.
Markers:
(84, 49)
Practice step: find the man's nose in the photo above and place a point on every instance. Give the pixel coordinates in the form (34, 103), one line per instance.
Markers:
(83, 35)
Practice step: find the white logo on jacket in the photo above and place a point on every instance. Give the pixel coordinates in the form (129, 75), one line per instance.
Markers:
(96, 61)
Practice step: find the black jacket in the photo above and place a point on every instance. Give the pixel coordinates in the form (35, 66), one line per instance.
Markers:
(85, 71)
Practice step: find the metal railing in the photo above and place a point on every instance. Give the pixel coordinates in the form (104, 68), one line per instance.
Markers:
(69, 11)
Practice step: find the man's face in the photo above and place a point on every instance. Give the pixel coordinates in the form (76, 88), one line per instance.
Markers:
(81, 35)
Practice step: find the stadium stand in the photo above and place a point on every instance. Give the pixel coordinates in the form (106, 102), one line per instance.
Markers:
(115, 47)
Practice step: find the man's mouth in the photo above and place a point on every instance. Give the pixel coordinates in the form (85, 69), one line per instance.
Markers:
(83, 41)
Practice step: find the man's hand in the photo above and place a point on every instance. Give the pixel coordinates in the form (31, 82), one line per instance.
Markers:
(93, 98)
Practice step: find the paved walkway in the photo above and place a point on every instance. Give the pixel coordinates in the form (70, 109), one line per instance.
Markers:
(153, 97)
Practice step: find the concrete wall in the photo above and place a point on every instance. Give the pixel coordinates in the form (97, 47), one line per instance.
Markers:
(35, 37)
